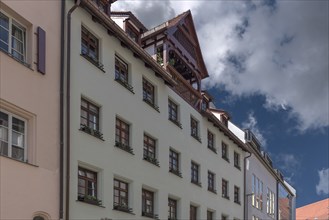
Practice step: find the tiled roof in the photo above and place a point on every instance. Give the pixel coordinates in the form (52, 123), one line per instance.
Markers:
(318, 210)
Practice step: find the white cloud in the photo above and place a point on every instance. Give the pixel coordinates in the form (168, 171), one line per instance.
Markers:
(289, 164)
(251, 123)
(323, 186)
(260, 47)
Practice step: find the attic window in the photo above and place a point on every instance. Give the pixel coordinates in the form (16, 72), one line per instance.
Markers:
(224, 119)
(131, 31)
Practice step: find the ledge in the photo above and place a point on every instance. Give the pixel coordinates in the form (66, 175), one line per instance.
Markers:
(177, 123)
(152, 105)
(124, 147)
(176, 172)
(123, 209)
(212, 149)
(125, 84)
(196, 138)
(226, 197)
(212, 191)
(17, 60)
(151, 160)
(226, 159)
(20, 161)
(150, 215)
(196, 183)
(91, 132)
(95, 63)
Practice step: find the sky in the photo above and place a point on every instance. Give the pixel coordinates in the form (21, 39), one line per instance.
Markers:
(268, 67)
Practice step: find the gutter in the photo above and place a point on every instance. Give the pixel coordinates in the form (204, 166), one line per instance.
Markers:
(61, 115)
(245, 198)
(68, 95)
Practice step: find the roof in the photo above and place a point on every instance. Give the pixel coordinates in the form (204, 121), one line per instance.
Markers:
(131, 16)
(318, 210)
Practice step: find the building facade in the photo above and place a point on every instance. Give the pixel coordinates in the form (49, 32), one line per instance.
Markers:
(143, 142)
(29, 109)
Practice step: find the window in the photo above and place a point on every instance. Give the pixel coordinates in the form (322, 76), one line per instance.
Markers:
(12, 38)
(224, 217)
(211, 182)
(255, 218)
(195, 173)
(173, 113)
(257, 190)
(211, 141)
(120, 196)
(87, 186)
(270, 203)
(121, 73)
(237, 160)
(122, 135)
(193, 212)
(225, 193)
(172, 209)
(236, 194)
(149, 94)
(12, 136)
(174, 162)
(159, 55)
(89, 118)
(149, 152)
(225, 152)
(147, 203)
(89, 46)
(195, 129)
(210, 215)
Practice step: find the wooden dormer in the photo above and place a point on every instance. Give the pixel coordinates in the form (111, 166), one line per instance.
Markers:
(175, 46)
(130, 24)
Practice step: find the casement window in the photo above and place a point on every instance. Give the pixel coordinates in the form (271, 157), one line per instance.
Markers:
(172, 111)
(237, 195)
(225, 192)
(12, 37)
(89, 45)
(210, 215)
(237, 160)
(211, 182)
(122, 132)
(193, 212)
(211, 141)
(13, 136)
(87, 185)
(147, 203)
(89, 115)
(121, 70)
(270, 203)
(149, 150)
(195, 173)
(257, 192)
(149, 94)
(195, 129)
(120, 195)
(174, 162)
(225, 152)
(172, 209)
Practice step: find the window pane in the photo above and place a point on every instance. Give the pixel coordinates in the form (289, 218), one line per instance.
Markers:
(18, 125)
(3, 119)
(18, 139)
(17, 153)
(3, 134)
(4, 21)
(3, 148)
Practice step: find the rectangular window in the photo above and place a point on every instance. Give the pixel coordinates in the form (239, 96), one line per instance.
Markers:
(148, 92)
(195, 173)
(120, 195)
(172, 209)
(147, 203)
(257, 190)
(195, 129)
(237, 160)
(89, 45)
(121, 70)
(174, 162)
(12, 136)
(211, 141)
(12, 38)
(87, 186)
(236, 194)
(149, 151)
(225, 192)
(173, 112)
(211, 182)
(122, 132)
(89, 115)
(225, 151)
(193, 212)
(210, 215)
(270, 203)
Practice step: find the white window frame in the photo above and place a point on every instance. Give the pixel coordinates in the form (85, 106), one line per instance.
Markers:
(10, 118)
(12, 21)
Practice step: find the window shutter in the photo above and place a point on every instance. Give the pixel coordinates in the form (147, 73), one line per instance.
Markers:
(41, 64)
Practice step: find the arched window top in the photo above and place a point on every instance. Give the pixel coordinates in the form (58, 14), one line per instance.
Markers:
(39, 218)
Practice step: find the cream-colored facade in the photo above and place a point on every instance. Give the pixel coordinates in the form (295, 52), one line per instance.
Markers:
(94, 83)
(29, 109)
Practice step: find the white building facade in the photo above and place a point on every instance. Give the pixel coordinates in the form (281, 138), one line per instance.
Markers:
(125, 158)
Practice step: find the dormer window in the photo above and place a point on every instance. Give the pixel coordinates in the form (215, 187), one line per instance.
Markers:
(159, 54)
(224, 119)
(131, 31)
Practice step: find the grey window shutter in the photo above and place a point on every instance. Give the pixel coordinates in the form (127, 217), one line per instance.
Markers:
(41, 64)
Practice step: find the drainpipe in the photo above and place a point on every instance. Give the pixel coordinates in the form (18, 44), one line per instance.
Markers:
(68, 92)
(61, 115)
(245, 198)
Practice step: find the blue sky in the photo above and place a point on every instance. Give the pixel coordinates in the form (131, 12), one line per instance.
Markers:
(268, 67)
